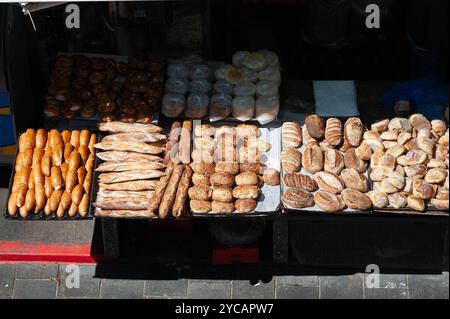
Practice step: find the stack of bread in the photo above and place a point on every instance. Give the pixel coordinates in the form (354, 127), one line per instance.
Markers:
(409, 165)
(132, 167)
(329, 170)
(53, 174)
(141, 91)
(188, 88)
(249, 88)
(228, 169)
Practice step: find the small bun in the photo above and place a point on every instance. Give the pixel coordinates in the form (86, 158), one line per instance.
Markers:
(245, 205)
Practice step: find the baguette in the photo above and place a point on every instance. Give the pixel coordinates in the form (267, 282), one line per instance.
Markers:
(92, 142)
(128, 146)
(71, 180)
(171, 190)
(175, 132)
(73, 210)
(122, 203)
(41, 138)
(122, 213)
(56, 178)
(159, 191)
(68, 148)
(119, 127)
(21, 193)
(23, 211)
(66, 200)
(60, 212)
(184, 152)
(77, 194)
(54, 200)
(66, 134)
(180, 198)
(64, 170)
(130, 186)
(135, 137)
(12, 207)
(75, 139)
(81, 174)
(135, 175)
(41, 199)
(31, 180)
(118, 156)
(84, 153)
(24, 158)
(124, 194)
(54, 139)
(37, 157)
(128, 166)
(29, 139)
(48, 186)
(87, 182)
(46, 163)
(85, 136)
(83, 208)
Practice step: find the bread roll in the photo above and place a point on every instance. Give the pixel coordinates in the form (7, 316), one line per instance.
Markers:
(399, 124)
(333, 161)
(24, 158)
(222, 194)
(255, 61)
(313, 159)
(380, 126)
(246, 192)
(379, 199)
(271, 177)
(351, 160)
(397, 200)
(375, 145)
(291, 135)
(316, 126)
(440, 203)
(436, 176)
(296, 180)
(356, 200)
(416, 171)
(198, 206)
(291, 160)
(247, 178)
(297, 198)
(173, 105)
(416, 203)
(389, 136)
(227, 167)
(271, 73)
(243, 108)
(197, 106)
(327, 201)
(329, 182)
(422, 189)
(267, 109)
(355, 180)
(41, 138)
(245, 205)
(221, 107)
(333, 132)
(41, 199)
(353, 131)
(200, 193)
(57, 182)
(418, 122)
(364, 152)
(222, 179)
(221, 207)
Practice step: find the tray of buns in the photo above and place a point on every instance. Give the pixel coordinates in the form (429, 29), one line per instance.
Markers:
(104, 88)
(128, 170)
(246, 90)
(235, 169)
(324, 166)
(409, 166)
(52, 176)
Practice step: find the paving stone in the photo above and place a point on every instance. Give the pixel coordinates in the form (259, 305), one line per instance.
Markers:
(89, 286)
(308, 281)
(428, 286)
(391, 281)
(244, 289)
(37, 271)
(34, 289)
(166, 288)
(209, 289)
(7, 274)
(386, 293)
(341, 287)
(297, 292)
(122, 289)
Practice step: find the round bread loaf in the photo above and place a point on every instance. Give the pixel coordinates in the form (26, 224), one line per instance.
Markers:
(298, 198)
(198, 206)
(200, 180)
(245, 205)
(200, 193)
(271, 177)
(291, 159)
(356, 200)
(222, 194)
(316, 126)
(221, 207)
(327, 201)
(313, 159)
(223, 179)
(246, 192)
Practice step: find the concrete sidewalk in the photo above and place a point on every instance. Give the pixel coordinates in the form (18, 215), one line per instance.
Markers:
(48, 281)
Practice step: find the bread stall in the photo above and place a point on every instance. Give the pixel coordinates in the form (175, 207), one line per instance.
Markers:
(157, 136)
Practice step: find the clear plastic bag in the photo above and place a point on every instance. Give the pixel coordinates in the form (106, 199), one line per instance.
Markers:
(221, 107)
(243, 108)
(197, 106)
(267, 109)
(177, 70)
(223, 87)
(173, 105)
(200, 72)
(177, 86)
(245, 89)
(200, 86)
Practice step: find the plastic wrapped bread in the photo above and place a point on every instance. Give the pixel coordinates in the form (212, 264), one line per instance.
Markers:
(267, 109)
(177, 70)
(250, 75)
(221, 107)
(255, 61)
(267, 88)
(223, 87)
(177, 86)
(243, 108)
(245, 89)
(238, 58)
(220, 72)
(173, 105)
(270, 74)
(200, 72)
(197, 106)
(200, 86)
(271, 57)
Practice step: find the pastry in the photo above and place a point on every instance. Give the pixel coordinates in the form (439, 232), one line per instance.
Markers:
(297, 180)
(246, 192)
(291, 160)
(313, 159)
(245, 205)
(333, 132)
(353, 131)
(298, 198)
(329, 182)
(271, 177)
(315, 126)
(355, 180)
(327, 201)
(356, 200)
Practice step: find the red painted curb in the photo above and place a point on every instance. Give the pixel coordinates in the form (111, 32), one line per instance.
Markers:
(44, 252)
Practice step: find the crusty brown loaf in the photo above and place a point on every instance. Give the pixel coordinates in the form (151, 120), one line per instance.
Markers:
(327, 201)
(165, 207)
(351, 160)
(291, 135)
(245, 205)
(221, 207)
(297, 180)
(329, 182)
(298, 198)
(198, 206)
(182, 192)
(333, 132)
(222, 194)
(313, 159)
(308, 140)
(333, 161)
(200, 193)
(271, 177)
(356, 200)
(316, 126)
(246, 192)
(222, 179)
(247, 178)
(355, 180)
(353, 131)
(291, 159)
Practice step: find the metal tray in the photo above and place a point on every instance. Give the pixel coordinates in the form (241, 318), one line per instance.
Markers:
(41, 215)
